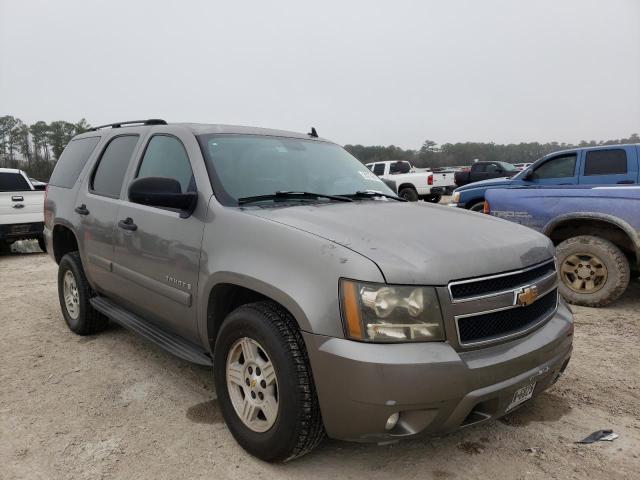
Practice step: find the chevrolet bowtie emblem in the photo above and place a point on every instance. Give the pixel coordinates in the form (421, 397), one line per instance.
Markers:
(527, 295)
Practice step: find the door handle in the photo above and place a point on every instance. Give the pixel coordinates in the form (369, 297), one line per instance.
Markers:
(626, 182)
(127, 224)
(82, 210)
(17, 198)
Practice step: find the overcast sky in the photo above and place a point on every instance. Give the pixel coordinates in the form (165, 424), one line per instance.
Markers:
(384, 72)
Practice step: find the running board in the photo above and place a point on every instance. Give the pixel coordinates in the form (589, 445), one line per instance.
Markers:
(168, 341)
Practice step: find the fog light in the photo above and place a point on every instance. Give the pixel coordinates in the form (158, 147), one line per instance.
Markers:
(392, 421)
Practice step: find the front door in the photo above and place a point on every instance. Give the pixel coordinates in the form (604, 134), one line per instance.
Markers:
(558, 170)
(157, 252)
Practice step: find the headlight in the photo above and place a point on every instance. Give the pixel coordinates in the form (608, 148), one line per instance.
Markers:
(455, 198)
(374, 312)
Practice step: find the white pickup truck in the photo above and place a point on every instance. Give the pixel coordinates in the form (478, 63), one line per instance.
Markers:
(21, 209)
(409, 184)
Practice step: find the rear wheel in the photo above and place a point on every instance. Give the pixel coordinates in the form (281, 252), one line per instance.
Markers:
(74, 294)
(264, 383)
(409, 193)
(593, 271)
(433, 198)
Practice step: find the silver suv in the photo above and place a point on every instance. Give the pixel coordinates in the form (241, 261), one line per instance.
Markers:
(324, 303)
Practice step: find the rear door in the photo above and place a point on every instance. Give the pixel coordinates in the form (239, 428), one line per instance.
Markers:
(157, 253)
(96, 207)
(615, 165)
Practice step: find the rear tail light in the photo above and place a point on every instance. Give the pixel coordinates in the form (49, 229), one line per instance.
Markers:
(430, 180)
(486, 208)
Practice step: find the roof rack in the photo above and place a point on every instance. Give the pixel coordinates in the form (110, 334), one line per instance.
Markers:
(151, 121)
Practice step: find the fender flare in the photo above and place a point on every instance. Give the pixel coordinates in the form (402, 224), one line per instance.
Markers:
(603, 217)
(251, 283)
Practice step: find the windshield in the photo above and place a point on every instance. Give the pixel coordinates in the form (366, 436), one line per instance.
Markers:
(508, 167)
(250, 165)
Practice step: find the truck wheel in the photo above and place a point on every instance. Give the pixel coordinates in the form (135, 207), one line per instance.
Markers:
(409, 193)
(74, 293)
(433, 198)
(477, 207)
(593, 271)
(264, 383)
(42, 244)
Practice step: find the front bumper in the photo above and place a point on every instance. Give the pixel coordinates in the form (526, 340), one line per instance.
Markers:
(435, 388)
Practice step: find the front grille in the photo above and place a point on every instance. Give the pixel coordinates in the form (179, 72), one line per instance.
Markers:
(491, 326)
(486, 286)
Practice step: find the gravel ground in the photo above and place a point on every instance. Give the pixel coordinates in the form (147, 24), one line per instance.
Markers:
(115, 406)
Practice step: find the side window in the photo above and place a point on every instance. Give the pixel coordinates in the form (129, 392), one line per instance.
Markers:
(72, 161)
(605, 162)
(558, 167)
(13, 182)
(378, 169)
(479, 168)
(108, 177)
(492, 168)
(165, 156)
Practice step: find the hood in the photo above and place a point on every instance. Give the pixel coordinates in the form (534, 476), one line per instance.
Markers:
(418, 243)
(492, 182)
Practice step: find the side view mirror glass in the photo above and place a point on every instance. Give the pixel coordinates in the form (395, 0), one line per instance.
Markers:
(162, 192)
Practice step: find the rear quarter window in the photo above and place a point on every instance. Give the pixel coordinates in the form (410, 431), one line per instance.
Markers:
(13, 182)
(72, 161)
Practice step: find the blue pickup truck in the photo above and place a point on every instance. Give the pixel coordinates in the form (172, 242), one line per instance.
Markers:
(596, 230)
(611, 164)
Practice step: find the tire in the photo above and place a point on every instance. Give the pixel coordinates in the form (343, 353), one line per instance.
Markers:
(42, 244)
(5, 248)
(477, 207)
(409, 193)
(297, 428)
(83, 319)
(593, 271)
(434, 198)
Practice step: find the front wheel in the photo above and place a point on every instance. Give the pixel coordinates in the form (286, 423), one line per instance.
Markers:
(477, 207)
(42, 244)
(593, 271)
(264, 383)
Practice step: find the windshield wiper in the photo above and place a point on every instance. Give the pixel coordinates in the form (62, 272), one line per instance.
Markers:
(285, 195)
(372, 194)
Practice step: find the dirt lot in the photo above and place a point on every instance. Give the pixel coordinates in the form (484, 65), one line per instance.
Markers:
(114, 406)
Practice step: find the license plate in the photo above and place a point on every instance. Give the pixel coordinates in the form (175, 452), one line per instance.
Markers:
(20, 228)
(522, 395)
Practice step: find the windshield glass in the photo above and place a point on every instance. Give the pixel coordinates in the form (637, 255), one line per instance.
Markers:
(251, 165)
(508, 167)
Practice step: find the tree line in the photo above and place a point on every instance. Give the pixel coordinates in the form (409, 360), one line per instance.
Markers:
(430, 155)
(35, 148)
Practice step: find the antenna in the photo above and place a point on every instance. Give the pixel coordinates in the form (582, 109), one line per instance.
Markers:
(313, 133)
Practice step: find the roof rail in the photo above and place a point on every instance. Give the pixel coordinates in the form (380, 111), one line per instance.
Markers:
(151, 121)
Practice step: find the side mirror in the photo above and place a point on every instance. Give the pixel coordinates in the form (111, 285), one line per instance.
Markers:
(162, 192)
